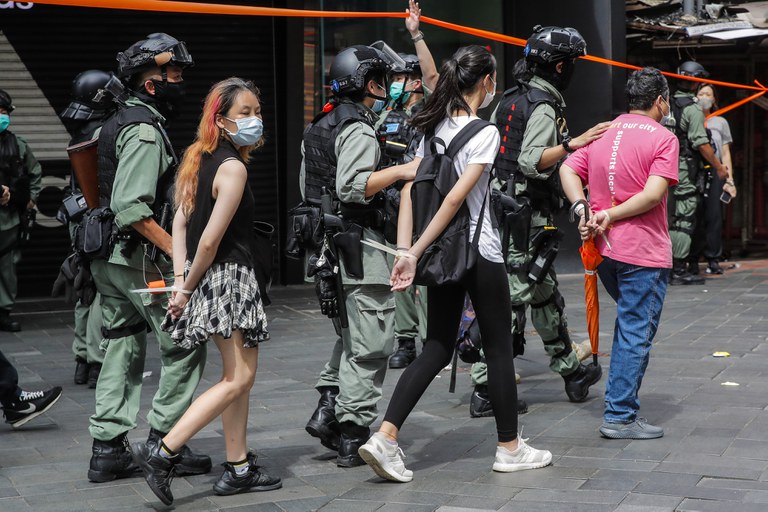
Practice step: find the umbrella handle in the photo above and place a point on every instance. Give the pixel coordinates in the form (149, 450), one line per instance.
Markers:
(575, 206)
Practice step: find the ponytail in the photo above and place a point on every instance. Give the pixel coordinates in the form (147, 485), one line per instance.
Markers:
(457, 78)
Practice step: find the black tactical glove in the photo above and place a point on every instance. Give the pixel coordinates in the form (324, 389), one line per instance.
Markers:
(325, 270)
(325, 287)
(65, 281)
(84, 285)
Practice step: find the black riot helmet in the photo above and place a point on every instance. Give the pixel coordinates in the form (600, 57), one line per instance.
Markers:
(549, 45)
(6, 102)
(692, 68)
(157, 50)
(411, 67)
(352, 65)
(88, 98)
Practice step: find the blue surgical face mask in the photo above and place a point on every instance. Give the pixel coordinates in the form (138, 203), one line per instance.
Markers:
(249, 130)
(5, 120)
(378, 106)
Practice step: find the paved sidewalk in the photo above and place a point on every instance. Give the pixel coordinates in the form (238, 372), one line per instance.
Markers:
(714, 455)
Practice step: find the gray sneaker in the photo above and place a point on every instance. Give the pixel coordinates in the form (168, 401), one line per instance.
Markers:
(638, 429)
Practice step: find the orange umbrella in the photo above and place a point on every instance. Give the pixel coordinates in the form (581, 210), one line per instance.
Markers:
(591, 259)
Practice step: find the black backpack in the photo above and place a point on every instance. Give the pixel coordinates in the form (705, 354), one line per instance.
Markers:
(449, 257)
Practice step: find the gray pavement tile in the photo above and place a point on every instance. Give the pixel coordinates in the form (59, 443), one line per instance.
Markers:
(703, 505)
(405, 507)
(651, 501)
(459, 503)
(596, 497)
(551, 506)
(339, 505)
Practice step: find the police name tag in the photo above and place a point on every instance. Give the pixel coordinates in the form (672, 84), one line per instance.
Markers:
(393, 127)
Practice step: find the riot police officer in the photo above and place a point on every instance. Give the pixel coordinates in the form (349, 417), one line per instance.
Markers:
(20, 179)
(534, 141)
(136, 166)
(340, 172)
(398, 145)
(688, 126)
(83, 117)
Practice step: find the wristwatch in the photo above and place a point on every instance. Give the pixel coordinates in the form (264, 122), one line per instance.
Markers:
(566, 146)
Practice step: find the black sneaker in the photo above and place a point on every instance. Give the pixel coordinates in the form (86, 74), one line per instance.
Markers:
(30, 405)
(7, 323)
(252, 481)
(189, 463)
(94, 369)
(81, 371)
(480, 404)
(158, 470)
(713, 267)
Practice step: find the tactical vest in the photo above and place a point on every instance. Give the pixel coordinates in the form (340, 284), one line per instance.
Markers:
(678, 105)
(107, 151)
(515, 109)
(319, 148)
(398, 139)
(11, 165)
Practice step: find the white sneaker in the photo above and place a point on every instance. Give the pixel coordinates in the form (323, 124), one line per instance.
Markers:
(385, 458)
(524, 457)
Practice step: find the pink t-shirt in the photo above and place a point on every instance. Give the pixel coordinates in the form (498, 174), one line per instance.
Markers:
(616, 167)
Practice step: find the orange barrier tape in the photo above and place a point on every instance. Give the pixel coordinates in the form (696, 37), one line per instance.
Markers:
(736, 104)
(203, 8)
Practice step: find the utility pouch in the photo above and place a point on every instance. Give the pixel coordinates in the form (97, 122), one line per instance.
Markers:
(351, 250)
(546, 244)
(304, 231)
(75, 206)
(95, 236)
(391, 212)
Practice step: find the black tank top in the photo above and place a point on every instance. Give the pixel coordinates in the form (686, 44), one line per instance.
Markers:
(236, 244)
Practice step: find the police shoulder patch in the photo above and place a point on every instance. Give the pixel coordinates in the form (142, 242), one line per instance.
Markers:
(146, 133)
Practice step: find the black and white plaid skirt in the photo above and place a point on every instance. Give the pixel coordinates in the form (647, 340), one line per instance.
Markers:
(227, 299)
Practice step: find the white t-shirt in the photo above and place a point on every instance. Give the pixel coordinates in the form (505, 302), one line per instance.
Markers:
(481, 149)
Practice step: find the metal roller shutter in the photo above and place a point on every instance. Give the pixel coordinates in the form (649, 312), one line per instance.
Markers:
(52, 44)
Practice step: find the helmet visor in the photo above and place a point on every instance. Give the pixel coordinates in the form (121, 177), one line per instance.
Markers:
(390, 56)
(176, 56)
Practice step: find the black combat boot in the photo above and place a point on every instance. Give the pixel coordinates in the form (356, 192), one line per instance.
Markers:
(480, 403)
(681, 276)
(111, 460)
(7, 323)
(577, 383)
(189, 462)
(81, 370)
(323, 424)
(94, 370)
(353, 436)
(158, 470)
(405, 353)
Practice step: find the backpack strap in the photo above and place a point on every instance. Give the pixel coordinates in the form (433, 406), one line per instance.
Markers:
(464, 136)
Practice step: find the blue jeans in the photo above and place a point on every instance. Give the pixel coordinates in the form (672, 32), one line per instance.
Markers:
(639, 294)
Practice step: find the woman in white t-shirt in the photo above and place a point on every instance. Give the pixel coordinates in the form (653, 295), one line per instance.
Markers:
(467, 83)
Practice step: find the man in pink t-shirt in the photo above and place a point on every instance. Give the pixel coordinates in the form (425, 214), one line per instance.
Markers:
(628, 172)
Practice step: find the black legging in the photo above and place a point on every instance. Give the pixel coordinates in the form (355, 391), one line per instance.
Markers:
(489, 290)
(9, 381)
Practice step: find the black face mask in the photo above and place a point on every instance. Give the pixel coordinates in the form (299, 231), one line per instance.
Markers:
(562, 79)
(170, 97)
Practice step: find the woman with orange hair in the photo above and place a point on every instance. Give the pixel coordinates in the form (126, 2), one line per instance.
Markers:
(217, 294)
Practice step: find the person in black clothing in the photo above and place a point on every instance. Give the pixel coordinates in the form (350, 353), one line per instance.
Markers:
(216, 293)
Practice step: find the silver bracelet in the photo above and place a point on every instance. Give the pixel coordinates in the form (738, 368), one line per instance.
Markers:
(418, 38)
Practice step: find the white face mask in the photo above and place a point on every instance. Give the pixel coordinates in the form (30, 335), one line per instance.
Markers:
(706, 103)
(488, 96)
(667, 119)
